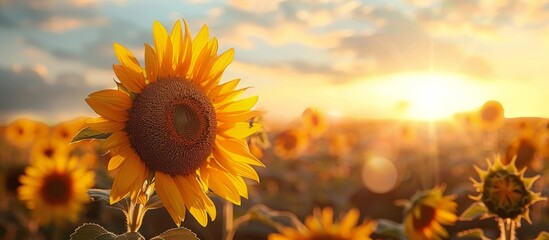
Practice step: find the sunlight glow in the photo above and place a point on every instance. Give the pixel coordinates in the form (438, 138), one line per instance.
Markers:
(379, 174)
(433, 96)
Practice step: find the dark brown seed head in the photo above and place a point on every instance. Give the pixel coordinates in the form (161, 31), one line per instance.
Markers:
(172, 126)
(57, 188)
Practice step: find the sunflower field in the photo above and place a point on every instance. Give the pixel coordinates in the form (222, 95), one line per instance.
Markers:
(176, 150)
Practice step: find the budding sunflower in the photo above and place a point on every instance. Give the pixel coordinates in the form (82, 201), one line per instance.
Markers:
(504, 192)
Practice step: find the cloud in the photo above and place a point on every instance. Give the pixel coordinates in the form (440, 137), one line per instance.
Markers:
(48, 14)
(402, 44)
(27, 91)
(63, 24)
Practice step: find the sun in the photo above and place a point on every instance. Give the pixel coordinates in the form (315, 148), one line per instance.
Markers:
(432, 96)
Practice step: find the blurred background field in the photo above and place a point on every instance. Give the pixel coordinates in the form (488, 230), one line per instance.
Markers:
(349, 163)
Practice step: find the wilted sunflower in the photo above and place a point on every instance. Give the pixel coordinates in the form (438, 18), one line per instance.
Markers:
(426, 212)
(525, 151)
(321, 225)
(174, 120)
(48, 149)
(55, 190)
(291, 143)
(491, 115)
(504, 192)
(314, 122)
(23, 132)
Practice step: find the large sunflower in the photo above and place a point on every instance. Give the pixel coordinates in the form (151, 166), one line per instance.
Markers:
(426, 212)
(321, 226)
(174, 121)
(55, 190)
(504, 192)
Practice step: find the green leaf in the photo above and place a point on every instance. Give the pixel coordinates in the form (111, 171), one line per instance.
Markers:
(88, 133)
(542, 236)
(103, 195)
(92, 231)
(153, 203)
(176, 234)
(130, 236)
(474, 211)
(389, 228)
(475, 233)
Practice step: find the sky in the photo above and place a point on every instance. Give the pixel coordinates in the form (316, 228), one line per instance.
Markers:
(413, 59)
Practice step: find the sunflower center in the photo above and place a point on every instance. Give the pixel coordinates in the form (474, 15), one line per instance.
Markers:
(327, 237)
(48, 152)
(172, 126)
(425, 218)
(56, 188)
(20, 131)
(490, 113)
(290, 141)
(505, 194)
(315, 120)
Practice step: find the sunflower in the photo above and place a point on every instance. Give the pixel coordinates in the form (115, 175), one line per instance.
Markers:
(174, 121)
(341, 144)
(48, 149)
(314, 122)
(525, 149)
(23, 131)
(426, 212)
(490, 116)
(321, 226)
(291, 143)
(65, 131)
(55, 190)
(504, 192)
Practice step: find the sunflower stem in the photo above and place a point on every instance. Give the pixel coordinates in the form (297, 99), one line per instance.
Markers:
(228, 223)
(507, 229)
(135, 216)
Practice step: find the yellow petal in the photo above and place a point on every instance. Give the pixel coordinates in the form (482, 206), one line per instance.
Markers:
(177, 44)
(239, 106)
(170, 196)
(237, 117)
(198, 43)
(223, 88)
(238, 151)
(221, 63)
(151, 63)
(115, 141)
(133, 81)
(114, 98)
(238, 130)
(126, 58)
(191, 198)
(107, 111)
(125, 179)
(115, 162)
(187, 53)
(163, 46)
(104, 125)
(208, 204)
(241, 169)
(227, 97)
(222, 185)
